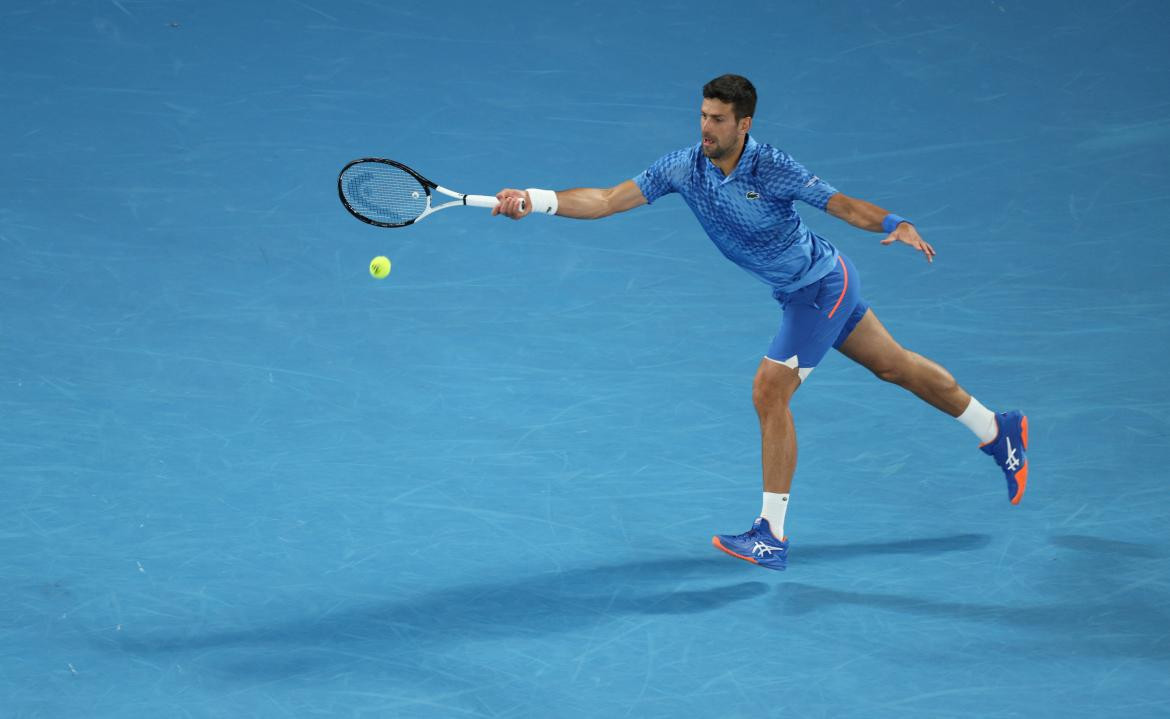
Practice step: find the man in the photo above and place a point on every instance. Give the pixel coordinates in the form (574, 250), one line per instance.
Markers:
(743, 194)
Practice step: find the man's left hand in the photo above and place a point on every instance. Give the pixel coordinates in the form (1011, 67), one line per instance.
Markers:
(905, 232)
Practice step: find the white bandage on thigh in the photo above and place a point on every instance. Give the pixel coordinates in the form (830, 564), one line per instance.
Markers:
(793, 363)
(543, 201)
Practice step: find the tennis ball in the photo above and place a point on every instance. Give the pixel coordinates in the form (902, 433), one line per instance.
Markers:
(379, 267)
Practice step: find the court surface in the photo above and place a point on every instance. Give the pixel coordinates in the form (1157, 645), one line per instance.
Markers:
(240, 477)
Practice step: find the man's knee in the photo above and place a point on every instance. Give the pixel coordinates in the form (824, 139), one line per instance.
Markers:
(897, 368)
(890, 372)
(774, 386)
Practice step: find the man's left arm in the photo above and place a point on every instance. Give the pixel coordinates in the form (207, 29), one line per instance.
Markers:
(869, 216)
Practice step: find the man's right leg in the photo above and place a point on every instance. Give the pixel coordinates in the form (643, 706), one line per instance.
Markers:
(772, 392)
(764, 544)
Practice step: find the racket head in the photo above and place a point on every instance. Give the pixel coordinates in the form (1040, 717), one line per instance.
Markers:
(383, 192)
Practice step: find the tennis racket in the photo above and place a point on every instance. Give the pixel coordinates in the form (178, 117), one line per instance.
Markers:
(389, 194)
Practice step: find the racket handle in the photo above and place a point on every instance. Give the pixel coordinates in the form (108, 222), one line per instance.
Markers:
(485, 201)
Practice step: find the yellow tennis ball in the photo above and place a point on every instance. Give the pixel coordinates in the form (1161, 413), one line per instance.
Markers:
(380, 267)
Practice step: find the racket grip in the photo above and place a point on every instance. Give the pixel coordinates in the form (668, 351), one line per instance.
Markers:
(486, 201)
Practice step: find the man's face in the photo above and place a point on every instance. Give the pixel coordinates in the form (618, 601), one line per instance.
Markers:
(720, 132)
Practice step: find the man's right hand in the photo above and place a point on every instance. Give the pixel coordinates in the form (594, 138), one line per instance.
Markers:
(513, 203)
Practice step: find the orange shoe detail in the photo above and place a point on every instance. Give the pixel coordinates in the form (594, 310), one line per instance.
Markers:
(719, 545)
(1021, 481)
(1024, 431)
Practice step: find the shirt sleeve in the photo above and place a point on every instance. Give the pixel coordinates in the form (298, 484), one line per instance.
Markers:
(798, 183)
(666, 175)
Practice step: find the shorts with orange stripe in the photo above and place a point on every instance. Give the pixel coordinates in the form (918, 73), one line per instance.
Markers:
(817, 317)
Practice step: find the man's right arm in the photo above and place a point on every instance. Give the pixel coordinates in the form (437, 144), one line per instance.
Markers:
(584, 203)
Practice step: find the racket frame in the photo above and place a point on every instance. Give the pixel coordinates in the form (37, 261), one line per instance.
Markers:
(462, 199)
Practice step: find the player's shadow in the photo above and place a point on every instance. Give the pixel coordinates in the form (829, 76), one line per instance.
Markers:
(1108, 602)
(1102, 546)
(925, 545)
(544, 603)
(1131, 626)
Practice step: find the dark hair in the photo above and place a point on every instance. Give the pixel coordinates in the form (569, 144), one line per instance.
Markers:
(737, 91)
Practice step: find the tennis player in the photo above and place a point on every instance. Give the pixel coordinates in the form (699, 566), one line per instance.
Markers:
(743, 194)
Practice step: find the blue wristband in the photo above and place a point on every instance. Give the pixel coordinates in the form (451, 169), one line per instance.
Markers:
(891, 221)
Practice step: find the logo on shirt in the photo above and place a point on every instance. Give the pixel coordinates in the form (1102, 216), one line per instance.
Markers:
(813, 181)
(752, 195)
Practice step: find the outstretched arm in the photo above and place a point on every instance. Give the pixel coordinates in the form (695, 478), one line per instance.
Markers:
(585, 203)
(869, 216)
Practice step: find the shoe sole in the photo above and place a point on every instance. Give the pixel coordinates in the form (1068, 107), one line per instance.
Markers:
(719, 545)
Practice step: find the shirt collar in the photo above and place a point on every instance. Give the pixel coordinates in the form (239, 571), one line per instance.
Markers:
(746, 160)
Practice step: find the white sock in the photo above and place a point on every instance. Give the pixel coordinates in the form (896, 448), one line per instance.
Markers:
(979, 420)
(775, 507)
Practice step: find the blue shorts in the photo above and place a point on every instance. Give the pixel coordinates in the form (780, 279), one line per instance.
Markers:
(817, 317)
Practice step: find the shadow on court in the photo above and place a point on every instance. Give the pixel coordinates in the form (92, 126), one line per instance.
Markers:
(546, 603)
(1112, 547)
(401, 636)
(1121, 611)
(927, 545)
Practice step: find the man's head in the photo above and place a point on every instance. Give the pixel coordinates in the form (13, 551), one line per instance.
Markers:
(729, 102)
(734, 90)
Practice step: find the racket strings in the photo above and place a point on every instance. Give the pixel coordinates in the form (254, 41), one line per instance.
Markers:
(384, 193)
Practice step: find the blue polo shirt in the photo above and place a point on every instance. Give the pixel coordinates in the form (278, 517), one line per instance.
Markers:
(750, 214)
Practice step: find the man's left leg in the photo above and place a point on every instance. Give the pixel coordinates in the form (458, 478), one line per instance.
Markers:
(871, 346)
(1004, 436)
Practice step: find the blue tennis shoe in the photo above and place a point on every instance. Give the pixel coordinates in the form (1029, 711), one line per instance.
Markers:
(758, 546)
(1009, 450)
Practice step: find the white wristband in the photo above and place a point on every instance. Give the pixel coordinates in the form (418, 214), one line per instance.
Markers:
(543, 201)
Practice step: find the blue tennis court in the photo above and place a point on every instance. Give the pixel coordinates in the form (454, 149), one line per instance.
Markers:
(242, 478)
